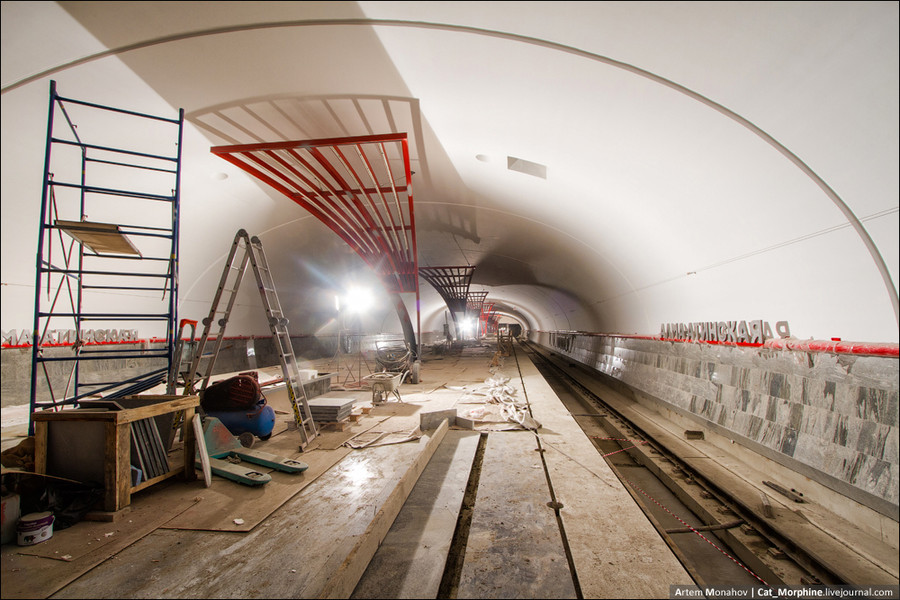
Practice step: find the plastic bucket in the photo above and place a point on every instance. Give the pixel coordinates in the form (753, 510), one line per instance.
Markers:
(34, 528)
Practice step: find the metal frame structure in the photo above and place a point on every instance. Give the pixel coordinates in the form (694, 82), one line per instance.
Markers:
(360, 187)
(248, 253)
(488, 318)
(79, 266)
(474, 303)
(452, 283)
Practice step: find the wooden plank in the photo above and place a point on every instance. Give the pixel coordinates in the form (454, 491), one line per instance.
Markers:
(76, 415)
(155, 480)
(161, 408)
(410, 561)
(345, 578)
(225, 501)
(110, 473)
(120, 463)
(292, 554)
(40, 446)
(167, 405)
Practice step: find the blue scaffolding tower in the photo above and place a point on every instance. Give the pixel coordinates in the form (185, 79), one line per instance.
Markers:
(107, 256)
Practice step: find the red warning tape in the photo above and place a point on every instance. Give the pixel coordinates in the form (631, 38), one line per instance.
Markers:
(622, 450)
(683, 522)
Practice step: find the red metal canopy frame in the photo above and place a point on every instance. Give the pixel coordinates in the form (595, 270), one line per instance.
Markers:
(474, 302)
(489, 318)
(475, 307)
(360, 188)
(452, 283)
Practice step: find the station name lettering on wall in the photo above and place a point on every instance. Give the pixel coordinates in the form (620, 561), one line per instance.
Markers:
(747, 332)
(23, 337)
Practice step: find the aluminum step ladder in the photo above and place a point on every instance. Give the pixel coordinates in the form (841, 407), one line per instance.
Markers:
(247, 251)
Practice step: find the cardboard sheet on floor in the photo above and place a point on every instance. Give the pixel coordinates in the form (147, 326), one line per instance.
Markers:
(230, 506)
(142, 517)
(81, 547)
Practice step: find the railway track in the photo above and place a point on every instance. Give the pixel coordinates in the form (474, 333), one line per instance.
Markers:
(721, 539)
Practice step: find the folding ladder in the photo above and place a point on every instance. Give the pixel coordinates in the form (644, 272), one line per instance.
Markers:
(249, 251)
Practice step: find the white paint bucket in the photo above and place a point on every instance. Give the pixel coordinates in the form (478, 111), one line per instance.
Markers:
(34, 528)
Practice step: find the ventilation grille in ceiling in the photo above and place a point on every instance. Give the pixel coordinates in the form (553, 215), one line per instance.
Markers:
(526, 166)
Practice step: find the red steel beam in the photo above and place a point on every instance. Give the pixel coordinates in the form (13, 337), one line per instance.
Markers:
(327, 177)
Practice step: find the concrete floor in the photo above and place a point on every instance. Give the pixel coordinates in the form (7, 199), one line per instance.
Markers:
(318, 535)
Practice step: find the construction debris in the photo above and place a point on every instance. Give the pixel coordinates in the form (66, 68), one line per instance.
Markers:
(497, 391)
(369, 439)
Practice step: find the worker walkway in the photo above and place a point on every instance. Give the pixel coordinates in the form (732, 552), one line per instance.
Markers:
(543, 515)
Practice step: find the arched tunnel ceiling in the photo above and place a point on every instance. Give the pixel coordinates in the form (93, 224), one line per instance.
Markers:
(591, 159)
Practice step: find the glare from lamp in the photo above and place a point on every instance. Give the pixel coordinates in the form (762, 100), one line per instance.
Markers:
(357, 300)
(467, 326)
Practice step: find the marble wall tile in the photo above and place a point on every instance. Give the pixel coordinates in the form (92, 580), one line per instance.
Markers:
(828, 394)
(892, 446)
(772, 408)
(812, 450)
(877, 405)
(779, 386)
(835, 413)
(789, 441)
(795, 414)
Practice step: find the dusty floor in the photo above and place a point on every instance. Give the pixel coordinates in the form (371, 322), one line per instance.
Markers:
(319, 533)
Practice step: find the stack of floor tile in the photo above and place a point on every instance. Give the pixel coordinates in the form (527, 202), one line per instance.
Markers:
(330, 410)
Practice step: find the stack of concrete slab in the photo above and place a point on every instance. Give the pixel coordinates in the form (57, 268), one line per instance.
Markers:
(330, 410)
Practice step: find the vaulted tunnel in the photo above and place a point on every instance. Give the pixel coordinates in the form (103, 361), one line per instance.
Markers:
(628, 182)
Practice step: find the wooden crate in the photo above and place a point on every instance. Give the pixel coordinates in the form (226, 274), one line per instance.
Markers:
(98, 445)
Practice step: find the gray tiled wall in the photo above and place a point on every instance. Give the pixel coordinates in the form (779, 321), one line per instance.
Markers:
(835, 414)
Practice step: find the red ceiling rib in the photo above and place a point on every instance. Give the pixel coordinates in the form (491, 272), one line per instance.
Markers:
(358, 186)
(489, 318)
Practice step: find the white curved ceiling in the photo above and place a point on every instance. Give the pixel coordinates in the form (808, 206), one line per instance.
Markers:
(675, 153)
